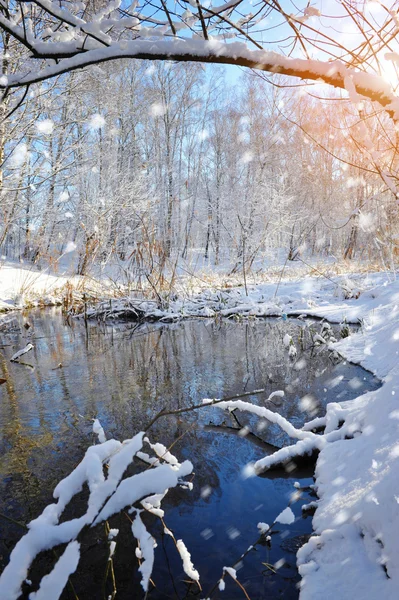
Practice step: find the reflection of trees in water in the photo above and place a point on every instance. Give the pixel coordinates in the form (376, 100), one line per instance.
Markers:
(127, 377)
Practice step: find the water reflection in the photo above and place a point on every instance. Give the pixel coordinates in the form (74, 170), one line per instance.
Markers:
(124, 375)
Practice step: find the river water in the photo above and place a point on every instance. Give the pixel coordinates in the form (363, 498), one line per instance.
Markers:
(124, 374)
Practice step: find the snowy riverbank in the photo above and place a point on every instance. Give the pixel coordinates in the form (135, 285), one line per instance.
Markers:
(355, 552)
(22, 286)
(337, 299)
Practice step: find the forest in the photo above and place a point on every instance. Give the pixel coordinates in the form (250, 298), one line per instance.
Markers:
(145, 161)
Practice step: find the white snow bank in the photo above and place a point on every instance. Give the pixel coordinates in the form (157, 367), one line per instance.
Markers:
(22, 285)
(313, 296)
(355, 553)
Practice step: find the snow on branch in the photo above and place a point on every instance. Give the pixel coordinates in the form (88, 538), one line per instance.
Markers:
(107, 495)
(67, 37)
(336, 427)
(308, 441)
(268, 414)
(146, 542)
(53, 583)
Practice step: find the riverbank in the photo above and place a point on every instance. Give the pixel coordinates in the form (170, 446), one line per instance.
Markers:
(356, 551)
(24, 286)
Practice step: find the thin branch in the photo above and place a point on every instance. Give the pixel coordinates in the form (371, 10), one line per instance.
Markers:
(164, 413)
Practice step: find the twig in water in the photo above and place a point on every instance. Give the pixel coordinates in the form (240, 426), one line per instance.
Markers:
(260, 539)
(13, 521)
(241, 586)
(164, 413)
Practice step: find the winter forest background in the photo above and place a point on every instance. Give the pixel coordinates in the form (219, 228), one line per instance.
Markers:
(146, 162)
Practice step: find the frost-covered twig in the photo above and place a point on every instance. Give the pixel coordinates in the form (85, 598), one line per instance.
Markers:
(145, 550)
(111, 534)
(188, 566)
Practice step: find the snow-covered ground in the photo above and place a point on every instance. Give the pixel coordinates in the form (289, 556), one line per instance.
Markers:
(313, 296)
(23, 285)
(355, 552)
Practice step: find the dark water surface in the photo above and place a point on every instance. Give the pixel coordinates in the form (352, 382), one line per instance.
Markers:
(124, 375)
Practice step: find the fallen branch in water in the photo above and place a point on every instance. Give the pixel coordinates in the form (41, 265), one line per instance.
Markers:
(163, 412)
(15, 357)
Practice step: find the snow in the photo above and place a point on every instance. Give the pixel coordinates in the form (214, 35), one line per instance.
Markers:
(188, 566)
(161, 451)
(112, 547)
(46, 126)
(153, 504)
(52, 584)
(21, 352)
(71, 246)
(355, 549)
(263, 527)
(173, 48)
(99, 431)
(96, 122)
(232, 572)
(146, 542)
(308, 441)
(355, 552)
(311, 11)
(133, 488)
(107, 495)
(286, 517)
(287, 340)
(113, 533)
(22, 285)
(319, 297)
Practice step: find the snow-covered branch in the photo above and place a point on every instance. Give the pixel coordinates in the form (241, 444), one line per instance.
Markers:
(67, 38)
(108, 495)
